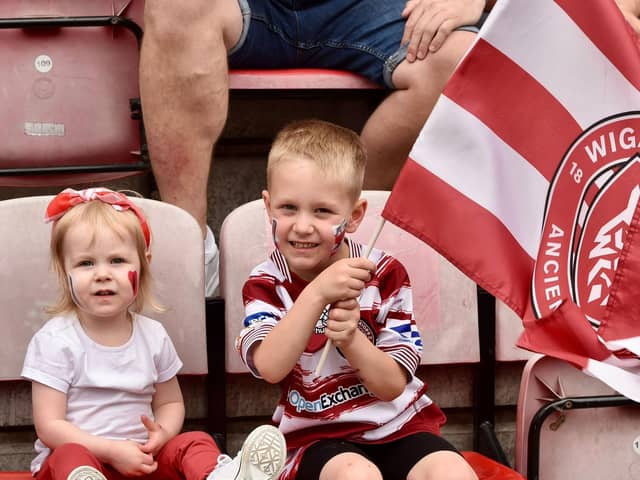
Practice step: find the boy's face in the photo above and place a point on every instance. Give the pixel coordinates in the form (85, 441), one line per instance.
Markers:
(310, 214)
(103, 273)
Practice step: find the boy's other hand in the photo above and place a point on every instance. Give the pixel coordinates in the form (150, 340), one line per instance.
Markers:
(342, 323)
(127, 457)
(344, 279)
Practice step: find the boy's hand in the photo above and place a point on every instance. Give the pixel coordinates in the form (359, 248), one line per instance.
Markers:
(344, 279)
(127, 457)
(158, 436)
(342, 323)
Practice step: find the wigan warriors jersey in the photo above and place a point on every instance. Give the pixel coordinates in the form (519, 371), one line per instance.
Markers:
(336, 403)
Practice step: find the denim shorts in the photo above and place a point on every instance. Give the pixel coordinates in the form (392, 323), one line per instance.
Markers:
(361, 36)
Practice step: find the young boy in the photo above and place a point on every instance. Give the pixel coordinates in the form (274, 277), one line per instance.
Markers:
(366, 414)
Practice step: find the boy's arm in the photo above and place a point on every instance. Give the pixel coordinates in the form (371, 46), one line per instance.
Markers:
(280, 350)
(49, 413)
(168, 410)
(379, 372)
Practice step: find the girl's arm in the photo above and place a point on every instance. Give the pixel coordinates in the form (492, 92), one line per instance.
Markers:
(49, 413)
(168, 410)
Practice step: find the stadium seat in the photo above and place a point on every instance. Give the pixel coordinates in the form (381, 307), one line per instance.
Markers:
(70, 108)
(571, 425)
(28, 284)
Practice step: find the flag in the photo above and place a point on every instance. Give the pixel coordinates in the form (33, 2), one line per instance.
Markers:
(527, 178)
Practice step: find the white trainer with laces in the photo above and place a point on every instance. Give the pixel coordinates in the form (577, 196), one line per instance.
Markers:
(85, 472)
(261, 457)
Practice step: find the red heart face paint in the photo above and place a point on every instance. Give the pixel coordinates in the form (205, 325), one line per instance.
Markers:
(133, 278)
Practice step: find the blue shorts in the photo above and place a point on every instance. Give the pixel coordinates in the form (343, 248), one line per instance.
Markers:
(361, 36)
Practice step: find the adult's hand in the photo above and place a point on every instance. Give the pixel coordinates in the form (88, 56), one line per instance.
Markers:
(430, 22)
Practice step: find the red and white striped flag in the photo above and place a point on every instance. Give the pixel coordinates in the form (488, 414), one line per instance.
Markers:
(527, 177)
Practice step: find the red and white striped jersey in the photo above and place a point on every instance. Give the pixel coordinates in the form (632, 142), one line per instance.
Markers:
(336, 404)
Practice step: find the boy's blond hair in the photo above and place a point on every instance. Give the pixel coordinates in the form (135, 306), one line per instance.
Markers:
(336, 150)
(99, 215)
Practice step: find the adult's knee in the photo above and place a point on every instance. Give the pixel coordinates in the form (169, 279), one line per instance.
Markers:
(172, 23)
(437, 67)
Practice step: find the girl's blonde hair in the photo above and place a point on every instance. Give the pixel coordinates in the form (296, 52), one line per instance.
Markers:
(99, 215)
(336, 150)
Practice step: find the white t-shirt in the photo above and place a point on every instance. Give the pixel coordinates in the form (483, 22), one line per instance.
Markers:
(107, 388)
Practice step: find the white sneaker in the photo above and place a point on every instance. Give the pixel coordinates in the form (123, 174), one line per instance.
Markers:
(85, 472)
(211, 264)
(261, 457)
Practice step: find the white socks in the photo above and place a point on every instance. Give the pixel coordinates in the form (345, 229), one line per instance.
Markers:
(211, 265)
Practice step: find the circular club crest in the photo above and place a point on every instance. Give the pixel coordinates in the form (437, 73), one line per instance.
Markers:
(590, 203)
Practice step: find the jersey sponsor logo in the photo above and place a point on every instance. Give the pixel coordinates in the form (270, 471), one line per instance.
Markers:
(258, 318)
(590, 203)
(326, 400)
(321, 324)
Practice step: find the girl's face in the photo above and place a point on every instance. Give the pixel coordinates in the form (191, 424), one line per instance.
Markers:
(102, 270)
(310, 214)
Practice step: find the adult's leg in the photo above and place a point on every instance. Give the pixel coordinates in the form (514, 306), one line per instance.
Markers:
(394, 126)
(184, 91)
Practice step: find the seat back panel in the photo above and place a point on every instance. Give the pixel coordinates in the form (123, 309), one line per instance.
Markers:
(594, 443)
(27, 284)
(445, 303)
(66, 94)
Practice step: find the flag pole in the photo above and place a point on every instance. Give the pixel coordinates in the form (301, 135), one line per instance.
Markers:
(367, 251)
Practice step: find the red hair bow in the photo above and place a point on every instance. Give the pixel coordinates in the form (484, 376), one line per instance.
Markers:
(69, 198)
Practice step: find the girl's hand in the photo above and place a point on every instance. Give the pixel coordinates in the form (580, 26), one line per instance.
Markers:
(128, 458)
(158, 436)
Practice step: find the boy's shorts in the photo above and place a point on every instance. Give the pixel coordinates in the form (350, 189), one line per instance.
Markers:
(361, 36)
(394, 459)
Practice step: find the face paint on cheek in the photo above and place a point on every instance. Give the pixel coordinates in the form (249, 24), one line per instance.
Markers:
(339, 232)
(133, 278)
(274, 228)
(72, 290)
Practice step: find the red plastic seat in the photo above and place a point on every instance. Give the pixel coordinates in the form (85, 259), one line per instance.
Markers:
(298, 79)
(15, 476)
(70, 71)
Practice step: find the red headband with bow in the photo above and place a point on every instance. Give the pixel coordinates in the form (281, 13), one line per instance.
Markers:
(69, 198)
